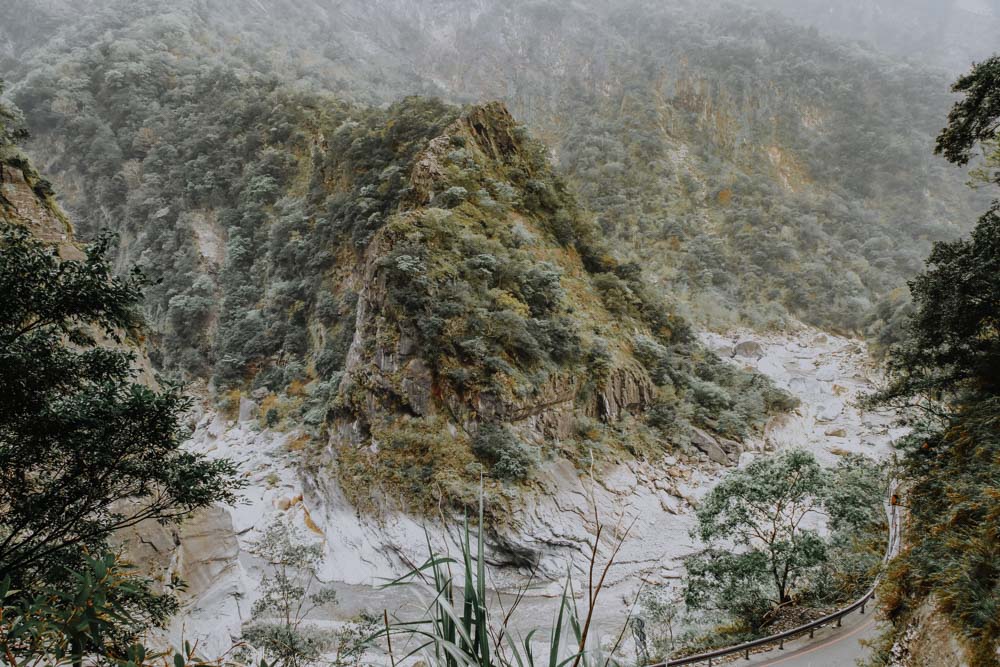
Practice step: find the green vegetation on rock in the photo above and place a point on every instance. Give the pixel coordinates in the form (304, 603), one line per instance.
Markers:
(946, 373)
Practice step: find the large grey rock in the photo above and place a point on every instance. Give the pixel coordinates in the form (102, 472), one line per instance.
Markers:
(829, 410)
(248, 409)
(709, 446)
(732, 448)
(199, 551)
(750, 349)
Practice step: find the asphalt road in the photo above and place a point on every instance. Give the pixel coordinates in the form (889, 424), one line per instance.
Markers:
(831, 647)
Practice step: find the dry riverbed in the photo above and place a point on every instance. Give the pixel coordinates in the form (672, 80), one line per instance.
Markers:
(827, 373)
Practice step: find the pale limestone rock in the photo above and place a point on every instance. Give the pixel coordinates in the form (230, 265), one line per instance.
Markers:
(827, 373)
(829, 410)
(248, 409)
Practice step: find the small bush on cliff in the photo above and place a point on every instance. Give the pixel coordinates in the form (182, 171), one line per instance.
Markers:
(290, 591)
(509, 458)
(12, 129)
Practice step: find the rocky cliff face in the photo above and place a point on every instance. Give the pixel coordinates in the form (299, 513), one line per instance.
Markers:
(926, 640)
(26, 199)
(495, 333)
(386, 363)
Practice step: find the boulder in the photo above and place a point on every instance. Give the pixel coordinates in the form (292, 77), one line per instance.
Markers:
(248, 409)
(709, 446)
(748, 348)
(732, 448)
(836, 432)
(830, 410)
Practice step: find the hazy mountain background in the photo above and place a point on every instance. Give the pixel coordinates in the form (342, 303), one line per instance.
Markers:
(944, 33)
(688, 128)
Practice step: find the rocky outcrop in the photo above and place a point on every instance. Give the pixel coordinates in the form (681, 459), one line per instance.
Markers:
(384, 372)
(25, 199)
(199, 561)
(709, 446)
(750, 349)
(492, 126)
(387, 374)
(627, 389)
(198, 552)
(926, 640)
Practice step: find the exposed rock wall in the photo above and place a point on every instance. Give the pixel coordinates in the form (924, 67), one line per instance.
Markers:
(927, 641)
(23, 201)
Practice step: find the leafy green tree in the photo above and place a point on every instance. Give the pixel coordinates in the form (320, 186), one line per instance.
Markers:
(760, 510)
(12, 129)
(975, 119)
(290, 591)
(953, 342)
(53, 626)
(84, 449)
(78, 621)
(760, 554)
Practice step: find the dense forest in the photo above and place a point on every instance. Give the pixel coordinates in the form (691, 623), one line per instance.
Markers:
(688, 130)
(945, 372)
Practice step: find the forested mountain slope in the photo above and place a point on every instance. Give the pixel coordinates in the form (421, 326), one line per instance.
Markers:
(414, 286)
(692, 130)
(945, 33)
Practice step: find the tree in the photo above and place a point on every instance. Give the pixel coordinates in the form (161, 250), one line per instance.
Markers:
(953, 341)
(53, 626)
(762, 507)
(290, 591)
(975, 119)
(12, 129)
(760, 549)
(84, 449)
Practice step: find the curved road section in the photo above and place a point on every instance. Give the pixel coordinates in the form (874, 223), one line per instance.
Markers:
(830, 647)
